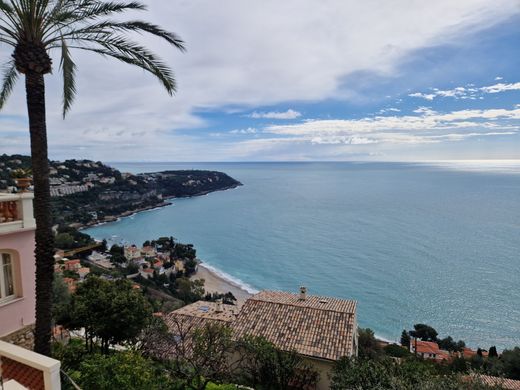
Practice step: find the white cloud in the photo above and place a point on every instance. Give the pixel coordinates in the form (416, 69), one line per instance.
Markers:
(498, 78)
(468, 92)
(249, 130)
(427, 127)
(289, 114)
(386, 110)
(246, 54)
(501, 87)
(427, 96)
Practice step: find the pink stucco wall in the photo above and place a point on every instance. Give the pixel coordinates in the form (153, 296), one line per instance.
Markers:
(19, 313)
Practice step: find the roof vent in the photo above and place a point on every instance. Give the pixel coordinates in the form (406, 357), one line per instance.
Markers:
(323, 301)
(303, 293)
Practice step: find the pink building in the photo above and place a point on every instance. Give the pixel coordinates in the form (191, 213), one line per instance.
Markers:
(17, 296)
(20, 368)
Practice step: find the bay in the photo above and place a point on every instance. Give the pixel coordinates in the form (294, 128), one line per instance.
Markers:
(431, 243)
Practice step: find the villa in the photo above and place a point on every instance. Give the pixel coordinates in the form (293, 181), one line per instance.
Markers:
(20, 368)
(429, 350)
(320, 329)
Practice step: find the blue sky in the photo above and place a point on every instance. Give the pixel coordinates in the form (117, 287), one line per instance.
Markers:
(301, 81)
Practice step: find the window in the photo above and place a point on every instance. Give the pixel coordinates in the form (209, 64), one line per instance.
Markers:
(6, 277)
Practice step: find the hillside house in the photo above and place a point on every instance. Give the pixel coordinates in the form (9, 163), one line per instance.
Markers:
(20, 367)
(320, 329)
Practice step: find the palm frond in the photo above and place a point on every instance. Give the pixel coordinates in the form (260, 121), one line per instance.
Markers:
(108, 28)
(68, 68)
(134, 54)
(138, 26)
(70, 12)
(5, 7)
(8, 82)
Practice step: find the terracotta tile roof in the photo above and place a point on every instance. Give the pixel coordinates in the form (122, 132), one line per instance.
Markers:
(27, 376)
(426, 347)
(206, 310)
(182, 324)
(320, 327)
(72, 262)
(503, 383)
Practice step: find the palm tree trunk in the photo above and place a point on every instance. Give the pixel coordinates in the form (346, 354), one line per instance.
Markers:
(35, 90)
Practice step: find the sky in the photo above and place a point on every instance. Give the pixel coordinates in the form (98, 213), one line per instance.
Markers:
(298, 80)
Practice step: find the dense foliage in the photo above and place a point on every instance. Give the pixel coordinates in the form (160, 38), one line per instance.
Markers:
(111, 312)
(265, 367)
(382, 374)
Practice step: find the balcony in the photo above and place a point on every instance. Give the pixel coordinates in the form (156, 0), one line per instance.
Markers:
(16, 212)
(24, 369)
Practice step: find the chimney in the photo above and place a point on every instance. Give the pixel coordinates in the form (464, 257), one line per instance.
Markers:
(303, 293)
(219, 308)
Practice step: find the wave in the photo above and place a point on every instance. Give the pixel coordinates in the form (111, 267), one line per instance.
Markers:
(230, 279)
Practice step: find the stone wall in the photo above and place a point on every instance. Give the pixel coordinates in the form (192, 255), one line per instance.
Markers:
(23, 337)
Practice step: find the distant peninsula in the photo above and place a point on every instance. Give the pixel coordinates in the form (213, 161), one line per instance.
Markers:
(86, 192)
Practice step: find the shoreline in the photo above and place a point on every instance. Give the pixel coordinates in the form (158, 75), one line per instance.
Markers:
(164, 203)
(216, 282)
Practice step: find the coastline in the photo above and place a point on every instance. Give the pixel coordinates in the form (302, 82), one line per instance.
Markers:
(215, 282)
(164, 203)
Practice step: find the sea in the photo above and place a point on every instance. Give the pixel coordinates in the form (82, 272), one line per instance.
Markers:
(431, 242)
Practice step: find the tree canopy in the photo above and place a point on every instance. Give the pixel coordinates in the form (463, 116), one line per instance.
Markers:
(111, 311)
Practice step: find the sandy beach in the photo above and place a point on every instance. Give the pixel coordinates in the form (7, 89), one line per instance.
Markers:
(216, 283)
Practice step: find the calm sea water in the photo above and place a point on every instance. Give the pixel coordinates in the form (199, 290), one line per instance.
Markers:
(438, 244)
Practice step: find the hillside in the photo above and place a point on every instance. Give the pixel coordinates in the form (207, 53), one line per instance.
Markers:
(85, 192)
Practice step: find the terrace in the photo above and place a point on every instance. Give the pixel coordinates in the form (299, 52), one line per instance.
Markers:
(16, 212)
(24, 369)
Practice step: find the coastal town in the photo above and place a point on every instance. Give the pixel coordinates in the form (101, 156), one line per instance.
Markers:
(259, 195)
(188, 298)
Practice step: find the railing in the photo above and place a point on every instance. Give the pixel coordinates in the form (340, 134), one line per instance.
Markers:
(16, 212)
(28, 368)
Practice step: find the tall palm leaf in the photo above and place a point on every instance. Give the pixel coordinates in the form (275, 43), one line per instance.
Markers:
(33, 28)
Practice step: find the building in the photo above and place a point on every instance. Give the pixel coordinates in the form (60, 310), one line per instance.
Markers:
(100, 260)
(72, 265)
(83, 272)
(148, 251)
(132, 252)
(20, 367)
(321, 329)
(429, 350)
(17, 265)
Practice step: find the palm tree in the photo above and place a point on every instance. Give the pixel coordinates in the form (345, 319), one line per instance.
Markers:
(34, 28)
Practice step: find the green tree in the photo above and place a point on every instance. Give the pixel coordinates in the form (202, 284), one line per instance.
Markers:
(61, 298)
(196, 354)
(121, 371)
(33, 28)
(424, 332)
(449, 344)
(395, 350)
(509, 365)
(64, 241)
(103, 247)
(368, 346)
(382, 374)
(405, 339)
(189, 290)
(493, 352)
(118, 254)
(264, 366)
(112, 312)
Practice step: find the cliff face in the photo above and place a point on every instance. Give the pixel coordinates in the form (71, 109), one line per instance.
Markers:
(86, 192)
